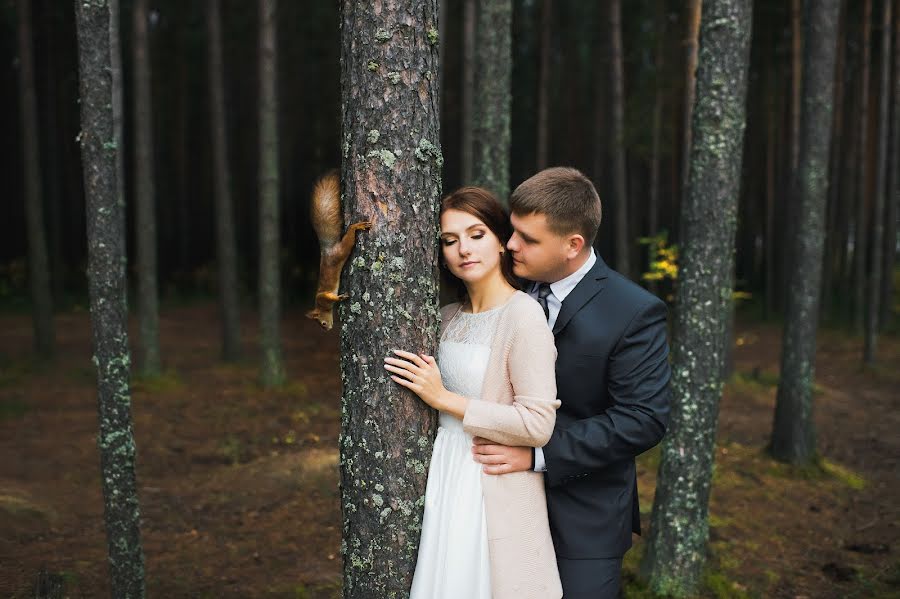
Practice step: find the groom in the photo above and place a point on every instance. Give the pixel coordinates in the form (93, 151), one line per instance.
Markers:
(612, 377)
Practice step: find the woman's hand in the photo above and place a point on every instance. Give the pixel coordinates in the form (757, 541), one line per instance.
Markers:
(419, 374)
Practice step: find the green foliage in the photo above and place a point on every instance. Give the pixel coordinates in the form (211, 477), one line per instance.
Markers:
(819, 469)
(663, 258)
(12, 407)
(165, 382)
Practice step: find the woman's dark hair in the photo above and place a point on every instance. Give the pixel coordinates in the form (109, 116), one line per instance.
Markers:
(484, 206)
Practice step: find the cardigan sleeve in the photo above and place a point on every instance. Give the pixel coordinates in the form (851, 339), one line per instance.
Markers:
(530, 418)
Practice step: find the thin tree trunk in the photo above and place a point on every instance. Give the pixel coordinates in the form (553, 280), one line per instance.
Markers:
(492, 111)
(873, 307)
(468, 92)
(145, 196)
(620, 206)
(38, 260)
(793, 430)
(226, 249)
(838, 153)
(272, 368)
(893, 187)
(653, 197)
(53, 172)
(861, 225)
(97, 24)
(543, 118)
(392, 178)
(769, 242)
(679, 526)
(796, 79)
(181, 152)
(693, 10)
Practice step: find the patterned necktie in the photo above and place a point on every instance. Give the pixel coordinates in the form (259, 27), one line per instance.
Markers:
(543, 292)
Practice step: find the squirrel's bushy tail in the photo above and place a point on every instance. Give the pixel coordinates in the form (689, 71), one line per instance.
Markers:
(325, 208)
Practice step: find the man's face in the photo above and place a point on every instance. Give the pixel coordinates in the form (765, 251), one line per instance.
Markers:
(538, 253)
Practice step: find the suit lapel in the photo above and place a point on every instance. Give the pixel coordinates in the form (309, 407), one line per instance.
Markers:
(587, 288)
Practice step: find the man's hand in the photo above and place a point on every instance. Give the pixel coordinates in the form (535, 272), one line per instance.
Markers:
(501, 459)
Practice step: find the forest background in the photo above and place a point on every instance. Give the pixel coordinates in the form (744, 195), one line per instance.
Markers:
(611, 104)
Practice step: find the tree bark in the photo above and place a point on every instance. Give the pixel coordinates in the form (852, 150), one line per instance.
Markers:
(693, 10)
(226, 250)
(107, 288)
(793, 431)
(391, 173)
(543, 117)
(272, 367)
(873, 299)
(893, 187)
(38, 259)
(145, 196)
(620, 206)
(861, 225)
(491, 113)
(679, 527)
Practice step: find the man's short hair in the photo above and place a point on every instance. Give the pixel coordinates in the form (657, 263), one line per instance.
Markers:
(565, 196)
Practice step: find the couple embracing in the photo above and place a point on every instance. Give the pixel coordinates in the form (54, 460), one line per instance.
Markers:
(551, 377)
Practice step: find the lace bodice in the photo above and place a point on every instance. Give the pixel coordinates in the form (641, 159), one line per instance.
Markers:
(463, 355)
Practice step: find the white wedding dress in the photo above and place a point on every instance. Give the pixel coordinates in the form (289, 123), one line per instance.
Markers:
(453, 558)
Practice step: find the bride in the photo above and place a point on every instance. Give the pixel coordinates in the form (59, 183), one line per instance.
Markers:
(484, 536)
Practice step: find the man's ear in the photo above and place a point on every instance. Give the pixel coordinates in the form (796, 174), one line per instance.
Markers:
(574, 245)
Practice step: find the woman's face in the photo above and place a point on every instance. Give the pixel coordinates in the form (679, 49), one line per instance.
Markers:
(470, 248)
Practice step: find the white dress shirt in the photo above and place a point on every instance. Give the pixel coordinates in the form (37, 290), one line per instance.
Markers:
(558, 292)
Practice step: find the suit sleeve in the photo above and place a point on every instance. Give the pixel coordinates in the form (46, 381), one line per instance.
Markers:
(638, 380)
(529, 420)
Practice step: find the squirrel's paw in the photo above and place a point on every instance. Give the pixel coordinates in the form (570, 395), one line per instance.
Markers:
(363, 226)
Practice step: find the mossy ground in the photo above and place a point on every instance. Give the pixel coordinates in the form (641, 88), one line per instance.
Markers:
(238, 485)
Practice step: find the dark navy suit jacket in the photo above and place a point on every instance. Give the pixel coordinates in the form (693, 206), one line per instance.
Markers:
(612, 376)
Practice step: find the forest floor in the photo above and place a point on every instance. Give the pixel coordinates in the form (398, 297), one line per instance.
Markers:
(239, 494)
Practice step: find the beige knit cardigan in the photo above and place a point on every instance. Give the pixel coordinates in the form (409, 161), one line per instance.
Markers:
(517, 407)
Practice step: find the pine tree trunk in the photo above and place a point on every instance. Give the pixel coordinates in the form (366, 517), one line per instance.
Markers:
(391, 174)
(226, 250)
(693, 10)
(873, 299)
(543, 117)
(679, 526)
(145, 196)
(272, 368)
(38, 260)
(493, 80)
(793, 431)
(617, 137)
(769, 242)
(53, 171)
(467, 124)
(893, 187)
(107, 287)
(652, 223)
(860, 238)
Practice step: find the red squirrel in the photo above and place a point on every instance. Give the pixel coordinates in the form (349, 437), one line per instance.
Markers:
(327, 219)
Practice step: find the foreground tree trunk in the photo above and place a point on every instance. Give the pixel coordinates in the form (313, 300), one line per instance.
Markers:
(793, 433)
(107, 287)
(873, 290)
(145, 196)
(272, 366)
(226, 252)
(679, 526)
(38, 259)
(491, 110)
(391, 173)
(617, 134)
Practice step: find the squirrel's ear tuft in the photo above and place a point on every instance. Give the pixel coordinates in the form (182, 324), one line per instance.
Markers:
(314, 314)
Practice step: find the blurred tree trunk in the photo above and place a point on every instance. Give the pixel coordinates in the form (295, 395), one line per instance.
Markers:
(38, 260)
(391, 175)
(679, 526)
(796, 79)
(543, 117)
(181, 150)
(652, 222)
(272, 368)
(493, 80)
(769, 239)
(226, 250)
(873, 299)
(467, 125)
(839, 151)
(97, 24)
(145, 196)
(53, 173)
(860, 238)
(893, 187)
(793, 431)
(620, 206)
(692, 11)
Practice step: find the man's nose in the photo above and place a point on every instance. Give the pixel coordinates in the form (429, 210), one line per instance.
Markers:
(513, 244)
